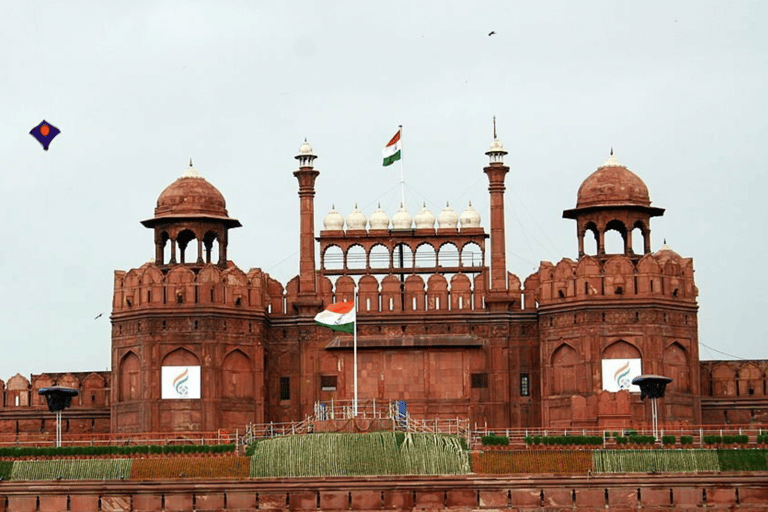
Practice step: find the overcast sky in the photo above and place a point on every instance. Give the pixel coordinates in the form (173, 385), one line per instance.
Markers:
(138, 88)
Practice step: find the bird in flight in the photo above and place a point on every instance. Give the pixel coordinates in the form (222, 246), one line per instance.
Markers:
(98, 316)
(492, 32)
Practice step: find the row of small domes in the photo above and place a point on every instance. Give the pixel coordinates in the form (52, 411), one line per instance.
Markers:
(448, 218)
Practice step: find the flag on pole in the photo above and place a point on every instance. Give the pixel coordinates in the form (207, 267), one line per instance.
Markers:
(339, 317)
(392, 150)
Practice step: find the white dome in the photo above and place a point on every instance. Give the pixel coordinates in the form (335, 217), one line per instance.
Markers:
(402, 219)
(379, 219)
(356, 219)
(496, 147)
(447, 218)
(334, 220)
(470, 218)
(305, 149)
(424, 219)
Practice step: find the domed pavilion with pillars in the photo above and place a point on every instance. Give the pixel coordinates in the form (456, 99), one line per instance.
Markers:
(602, 312)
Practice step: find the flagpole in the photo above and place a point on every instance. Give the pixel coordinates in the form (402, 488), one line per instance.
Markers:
(354, 356)
(402, 174)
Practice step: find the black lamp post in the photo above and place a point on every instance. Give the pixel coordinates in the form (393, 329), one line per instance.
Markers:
(653, 387)
(58, 399)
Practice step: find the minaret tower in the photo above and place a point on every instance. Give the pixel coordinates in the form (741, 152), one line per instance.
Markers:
(496, 170)
(307, 302)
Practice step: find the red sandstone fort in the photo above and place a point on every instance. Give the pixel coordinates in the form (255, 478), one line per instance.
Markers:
(442, 325)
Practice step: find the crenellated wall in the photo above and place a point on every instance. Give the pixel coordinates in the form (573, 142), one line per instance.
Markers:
(23, 410)
(734, 392)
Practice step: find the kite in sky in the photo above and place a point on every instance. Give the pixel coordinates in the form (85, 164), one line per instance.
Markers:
(44, 133)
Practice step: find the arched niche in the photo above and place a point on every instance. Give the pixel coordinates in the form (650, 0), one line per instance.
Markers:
(676, 367)
(130, 381)
(565, 369)
(750, 380)
(621, 350)
(180, 357)
(723, 380)
(236, 375)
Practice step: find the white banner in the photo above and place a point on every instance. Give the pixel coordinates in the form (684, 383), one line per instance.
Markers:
(180, 382)
(618, 374)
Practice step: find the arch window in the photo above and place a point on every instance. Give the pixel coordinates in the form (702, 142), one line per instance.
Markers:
(333, 258)
(614, 237)
(426, 256)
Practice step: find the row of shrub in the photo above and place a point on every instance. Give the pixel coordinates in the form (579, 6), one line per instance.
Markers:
(564, 440)
(762, 439)
(733, 439)
(635, 439)
(66, 451)
(494, 440)
(670, 440)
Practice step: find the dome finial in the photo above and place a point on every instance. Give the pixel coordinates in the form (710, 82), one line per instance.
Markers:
(612, 161)
(496, 152)
(191, 172)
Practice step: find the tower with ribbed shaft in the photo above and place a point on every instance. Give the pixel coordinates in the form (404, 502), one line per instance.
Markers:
(497, 299)
(307, 302)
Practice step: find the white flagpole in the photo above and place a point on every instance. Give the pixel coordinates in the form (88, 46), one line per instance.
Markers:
(354, 355)
(402, 174)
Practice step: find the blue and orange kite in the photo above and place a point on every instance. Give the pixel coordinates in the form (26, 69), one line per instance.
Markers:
(44, 133)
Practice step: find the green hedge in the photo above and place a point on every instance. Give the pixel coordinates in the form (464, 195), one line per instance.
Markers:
(728, 439)
(565, 440)
(667, 440)
(685, 440)
(494, 440)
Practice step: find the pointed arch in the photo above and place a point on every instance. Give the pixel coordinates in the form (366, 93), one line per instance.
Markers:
(236, 375)
(180, 357)
(129, 377)
(621, 349)
(565, 367)
(676, 366)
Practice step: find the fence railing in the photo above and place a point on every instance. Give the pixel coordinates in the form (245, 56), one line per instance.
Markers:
(517, 436)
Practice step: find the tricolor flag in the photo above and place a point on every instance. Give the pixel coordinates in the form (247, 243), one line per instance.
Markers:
(339, 317)
(392, 151)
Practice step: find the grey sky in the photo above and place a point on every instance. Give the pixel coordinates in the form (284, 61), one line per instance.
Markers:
(138, 88)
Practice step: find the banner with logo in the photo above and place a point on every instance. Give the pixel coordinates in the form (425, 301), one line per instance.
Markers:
(618, 374)
(180, 382)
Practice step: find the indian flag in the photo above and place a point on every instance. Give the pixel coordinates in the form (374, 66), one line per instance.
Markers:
(339, 317)
(392, 151)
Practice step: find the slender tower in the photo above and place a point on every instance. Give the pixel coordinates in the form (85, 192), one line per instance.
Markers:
(497, 298)
(307, 302)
